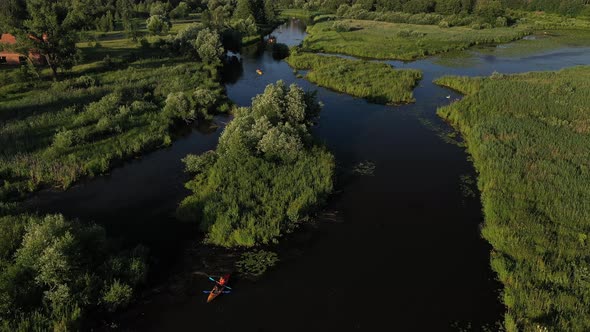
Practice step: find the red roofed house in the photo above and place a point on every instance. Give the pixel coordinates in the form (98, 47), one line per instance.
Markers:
(11, 58)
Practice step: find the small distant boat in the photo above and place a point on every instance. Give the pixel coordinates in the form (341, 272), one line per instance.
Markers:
(448, 97)
(259, 72)
(221, 287)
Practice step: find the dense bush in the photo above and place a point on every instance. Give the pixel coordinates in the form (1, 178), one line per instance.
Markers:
(53, 270)
(208, 45)
(528, 136)
(267, 174)
(280, 51)
(377, 82)
(341, 26)
(181, 11)
(158, 24)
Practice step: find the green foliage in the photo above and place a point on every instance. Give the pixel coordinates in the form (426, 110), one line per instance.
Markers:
(56, 133)
(528, 136)
(489, 10)
(341, 26)
(377, 82)
(280, 51)
(158, 24)
(47, 26)
(420, 41)
(201, 163)
(117, 295)
(254, 264)
(208, 45)
(181, 11)
(53, 270)
(266, 175)
(160, 9)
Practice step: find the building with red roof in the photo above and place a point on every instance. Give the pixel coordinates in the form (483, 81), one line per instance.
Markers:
(12, 58)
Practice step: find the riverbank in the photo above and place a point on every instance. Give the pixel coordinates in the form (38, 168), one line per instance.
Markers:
(528, 137)
(376, 82)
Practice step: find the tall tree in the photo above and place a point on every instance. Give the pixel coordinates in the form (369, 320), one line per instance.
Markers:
(49, 27)
(243, 9)
(12, 14)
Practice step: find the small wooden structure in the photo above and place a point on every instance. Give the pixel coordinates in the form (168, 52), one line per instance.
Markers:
(12, 58)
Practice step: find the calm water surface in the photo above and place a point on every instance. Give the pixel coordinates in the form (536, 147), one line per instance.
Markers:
(407, 254)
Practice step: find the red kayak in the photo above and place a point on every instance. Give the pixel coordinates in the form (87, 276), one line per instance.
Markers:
(219, 288)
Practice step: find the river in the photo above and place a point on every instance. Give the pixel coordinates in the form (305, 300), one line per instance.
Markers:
(405, 253)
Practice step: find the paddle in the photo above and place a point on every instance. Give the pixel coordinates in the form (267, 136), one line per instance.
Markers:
(217, 282)
(209, 292)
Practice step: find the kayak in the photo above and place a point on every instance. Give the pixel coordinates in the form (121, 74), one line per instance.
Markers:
(219, 288)
(259, 72)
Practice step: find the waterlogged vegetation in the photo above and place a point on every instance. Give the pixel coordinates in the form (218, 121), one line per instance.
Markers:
(376, 82)
(528, 136)
(541, 41)
(254, 264)
(400, 41)
(266, 175)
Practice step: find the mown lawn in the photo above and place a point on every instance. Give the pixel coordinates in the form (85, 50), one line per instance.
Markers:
(529, 137)
(382, 40)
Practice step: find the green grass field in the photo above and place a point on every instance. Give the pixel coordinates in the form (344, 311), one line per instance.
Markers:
(376, 82)
(381, 40)
(298, 13)
(529, 137)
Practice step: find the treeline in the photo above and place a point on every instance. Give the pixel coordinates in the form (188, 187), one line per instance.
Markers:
(444, 7)
(55, 272)
(528, 136)
(266, 175)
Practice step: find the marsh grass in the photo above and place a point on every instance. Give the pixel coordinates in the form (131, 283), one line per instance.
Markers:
(376, 82)
(100, 113)
(402, 41)
(528, 136)
(541, 41)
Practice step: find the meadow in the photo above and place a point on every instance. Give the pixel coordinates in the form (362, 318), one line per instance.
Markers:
(400, 41)
(528, 136)
(376, 82)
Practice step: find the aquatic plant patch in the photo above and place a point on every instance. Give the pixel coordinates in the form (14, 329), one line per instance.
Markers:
(376, 82)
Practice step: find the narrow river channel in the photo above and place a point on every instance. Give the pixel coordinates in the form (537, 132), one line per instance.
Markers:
(405, 253)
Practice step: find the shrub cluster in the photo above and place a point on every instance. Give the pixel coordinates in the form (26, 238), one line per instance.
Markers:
(266, 175)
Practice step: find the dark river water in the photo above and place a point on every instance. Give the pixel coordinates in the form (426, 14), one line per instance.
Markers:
(406, 253)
